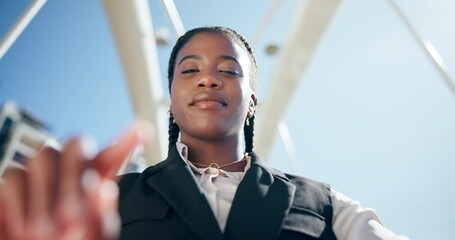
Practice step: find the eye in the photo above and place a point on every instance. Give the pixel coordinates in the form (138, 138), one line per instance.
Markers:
(192, 70)
(230, 72)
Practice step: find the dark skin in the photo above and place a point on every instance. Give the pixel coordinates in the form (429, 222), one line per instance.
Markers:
(50, 200)
(211, 97)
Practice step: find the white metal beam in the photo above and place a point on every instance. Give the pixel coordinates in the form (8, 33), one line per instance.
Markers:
(131, 24)
(311, 20)
(174, 16)
(20, 25)
(428, 48)
(265, 22)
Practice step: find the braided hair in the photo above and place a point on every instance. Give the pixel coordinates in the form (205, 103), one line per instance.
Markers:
(174, 129)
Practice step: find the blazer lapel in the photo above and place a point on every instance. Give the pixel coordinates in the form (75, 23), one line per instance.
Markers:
(260, 204)
(186, 197)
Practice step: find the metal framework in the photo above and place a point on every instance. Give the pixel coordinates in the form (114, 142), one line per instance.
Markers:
(310, 21)
(131, 24)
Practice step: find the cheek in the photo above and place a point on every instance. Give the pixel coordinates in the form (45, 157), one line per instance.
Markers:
(180, 99)
(242, 96)
(246, 93)
(175, 100)
(175, 104)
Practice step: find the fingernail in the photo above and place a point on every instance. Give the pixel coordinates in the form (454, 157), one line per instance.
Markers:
(109, 190)
(89, 146)
(141, 131)
(111, 225)
(144, 129)
(90, 180)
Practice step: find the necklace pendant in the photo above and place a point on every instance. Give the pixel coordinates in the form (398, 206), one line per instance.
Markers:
(214, 165)
(213, 170)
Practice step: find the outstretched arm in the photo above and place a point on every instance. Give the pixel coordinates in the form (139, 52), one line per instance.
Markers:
(352, 221)
(67, 194)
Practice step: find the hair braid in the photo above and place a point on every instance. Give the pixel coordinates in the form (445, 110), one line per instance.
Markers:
(249, 135)
(173, 132)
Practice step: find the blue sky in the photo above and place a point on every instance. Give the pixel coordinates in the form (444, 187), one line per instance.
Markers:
(372, 116)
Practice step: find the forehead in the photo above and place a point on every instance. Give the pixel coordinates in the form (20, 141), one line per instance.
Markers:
(212, 43)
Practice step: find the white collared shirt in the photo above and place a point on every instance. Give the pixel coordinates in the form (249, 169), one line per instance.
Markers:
(350, 220)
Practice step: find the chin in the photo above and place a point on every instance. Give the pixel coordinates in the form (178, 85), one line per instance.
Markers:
(210, 131)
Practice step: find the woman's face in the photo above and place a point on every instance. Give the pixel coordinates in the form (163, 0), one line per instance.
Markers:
(211, 93)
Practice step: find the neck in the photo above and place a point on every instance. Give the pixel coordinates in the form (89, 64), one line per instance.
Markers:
(221, 152)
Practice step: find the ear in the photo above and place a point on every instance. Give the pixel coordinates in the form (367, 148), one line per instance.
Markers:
(252, 105)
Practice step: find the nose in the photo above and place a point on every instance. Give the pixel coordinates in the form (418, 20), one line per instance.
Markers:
(210, 80)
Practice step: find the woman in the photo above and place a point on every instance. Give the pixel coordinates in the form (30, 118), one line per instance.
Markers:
(209, 187)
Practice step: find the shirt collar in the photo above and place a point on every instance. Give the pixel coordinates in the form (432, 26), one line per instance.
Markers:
(183, 152)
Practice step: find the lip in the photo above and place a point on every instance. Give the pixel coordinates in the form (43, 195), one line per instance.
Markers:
(208, 101)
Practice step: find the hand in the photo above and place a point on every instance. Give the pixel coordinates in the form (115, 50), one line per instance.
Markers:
(65, 194)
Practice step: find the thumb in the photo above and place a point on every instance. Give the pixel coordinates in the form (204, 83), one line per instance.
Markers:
(109, 161)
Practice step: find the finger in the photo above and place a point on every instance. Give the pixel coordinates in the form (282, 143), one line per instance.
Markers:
(102, 201)
(83, 225)
(109, 161)
(42, 187)
(69, 207)
(76, 152)
(2, 214)
(108, 202)
(14, 202)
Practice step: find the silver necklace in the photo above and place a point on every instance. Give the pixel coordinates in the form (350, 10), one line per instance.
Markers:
(217, 166)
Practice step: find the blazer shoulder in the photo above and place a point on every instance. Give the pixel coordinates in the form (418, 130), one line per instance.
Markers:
(301, 181)
(129, 181)
(311, 211)
(312, 194)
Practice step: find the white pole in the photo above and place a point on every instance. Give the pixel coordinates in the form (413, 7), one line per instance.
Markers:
(265, 22)
(131, 24)
(428, 48)
(20, 25)
(174, 16)
(311, 20)
(289, 146)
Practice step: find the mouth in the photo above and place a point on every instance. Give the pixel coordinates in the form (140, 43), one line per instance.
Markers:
(208, 101)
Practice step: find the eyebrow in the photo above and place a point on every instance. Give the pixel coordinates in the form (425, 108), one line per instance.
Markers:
(197, 57)
(190, 57)
(227, 57)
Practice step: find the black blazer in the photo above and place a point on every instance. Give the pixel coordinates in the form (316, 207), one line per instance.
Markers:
(166, 202)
